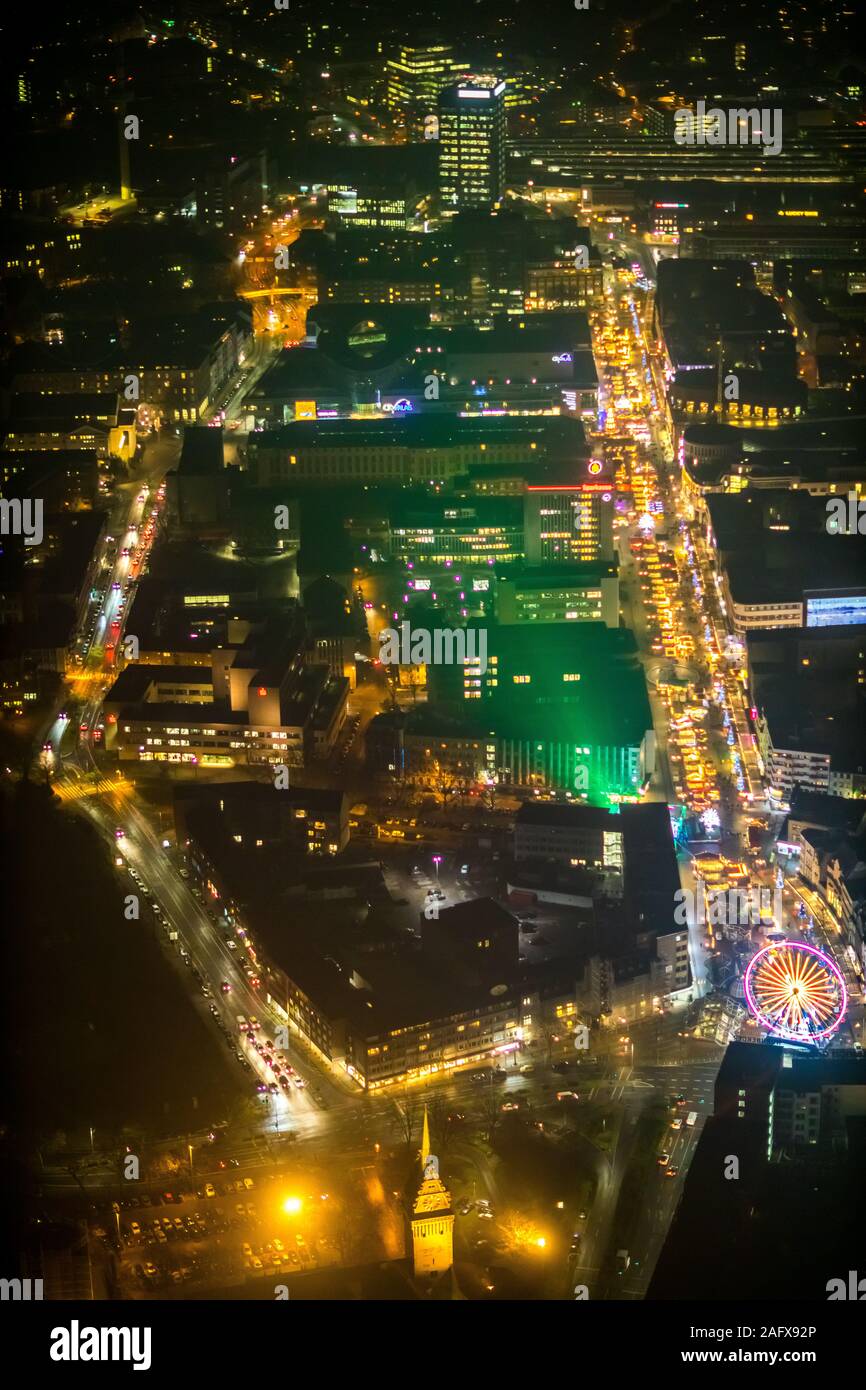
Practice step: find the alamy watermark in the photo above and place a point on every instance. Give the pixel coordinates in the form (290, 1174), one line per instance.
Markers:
(846, 516)
(418, 646)
(20, 1290)
(77, 1343)
(22, 516)
(738, 125)
(730, 907)
(853, 1289)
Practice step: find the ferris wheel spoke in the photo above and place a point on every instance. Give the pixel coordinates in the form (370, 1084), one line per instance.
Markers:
(796, 991)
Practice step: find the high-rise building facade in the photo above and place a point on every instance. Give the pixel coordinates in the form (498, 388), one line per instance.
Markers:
(568, 522)
(586, 593)
(416, 77)
(471, 145)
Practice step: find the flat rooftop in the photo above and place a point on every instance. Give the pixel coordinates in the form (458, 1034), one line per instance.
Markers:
(202, 451)
(134, 680)
(538, 814)
(426, 431)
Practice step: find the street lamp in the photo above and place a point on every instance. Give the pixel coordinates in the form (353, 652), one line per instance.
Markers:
(437, 860)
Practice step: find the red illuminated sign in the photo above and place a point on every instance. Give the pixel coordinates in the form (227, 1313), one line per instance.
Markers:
(568, 487)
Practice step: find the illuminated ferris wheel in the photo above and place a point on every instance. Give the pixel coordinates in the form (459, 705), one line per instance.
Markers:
(796, 991)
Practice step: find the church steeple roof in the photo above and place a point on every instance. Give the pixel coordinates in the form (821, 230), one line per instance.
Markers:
(432, 1195)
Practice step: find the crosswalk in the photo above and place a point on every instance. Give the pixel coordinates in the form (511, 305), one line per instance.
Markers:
(69, 789)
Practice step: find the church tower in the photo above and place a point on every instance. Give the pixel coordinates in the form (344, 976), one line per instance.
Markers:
(432, 1217)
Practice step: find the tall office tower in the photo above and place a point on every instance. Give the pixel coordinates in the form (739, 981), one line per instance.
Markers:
(415, 79)
(122, 142)
(471, 145)
(568, 522)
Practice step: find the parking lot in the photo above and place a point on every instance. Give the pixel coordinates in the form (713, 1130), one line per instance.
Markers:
(247, 1229)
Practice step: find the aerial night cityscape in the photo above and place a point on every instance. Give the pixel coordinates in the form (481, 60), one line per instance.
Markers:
(433, 646)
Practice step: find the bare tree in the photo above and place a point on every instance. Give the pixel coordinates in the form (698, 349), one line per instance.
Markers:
(73, 1169)
(491, 1109)
(407, 1109)
(444, 782)
(245, 1110)
(518, 1231)
(441, 1124)
(549, 1034)
(345, 1224)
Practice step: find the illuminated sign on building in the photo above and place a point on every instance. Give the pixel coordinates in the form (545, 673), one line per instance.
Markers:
(343, 200)
(480, 586)
(401, 407)
(305, 410)
(836, 610)
(594, 467)
(568, 487)
(562, 357)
